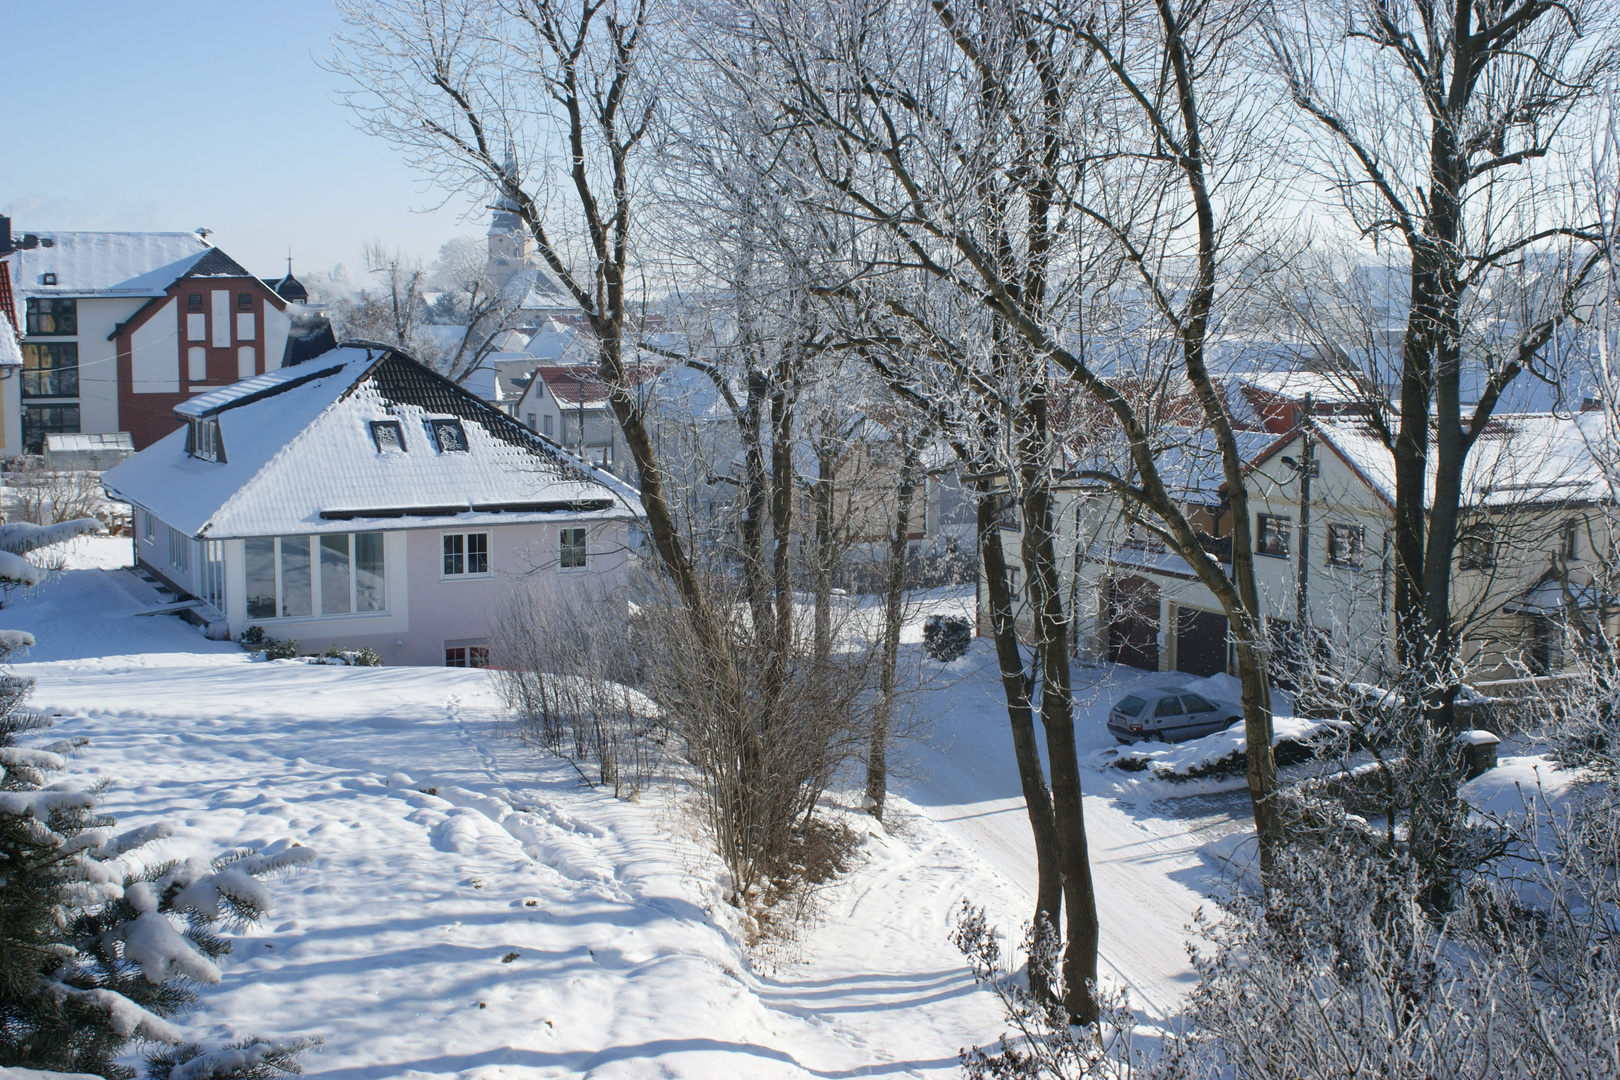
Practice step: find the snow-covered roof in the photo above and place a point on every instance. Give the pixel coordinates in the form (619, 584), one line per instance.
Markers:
(10, 351)
(537, 288)
(446, 336)
(1189, 460)
(576, 385)
(303, 455)
(1521, 458)
(554, 342)
(105, 263)
(500, 377)
(1325, 388)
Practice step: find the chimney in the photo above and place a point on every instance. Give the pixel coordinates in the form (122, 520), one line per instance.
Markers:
(5, 235)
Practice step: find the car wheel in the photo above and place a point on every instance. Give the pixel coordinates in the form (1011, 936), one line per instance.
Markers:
(1232, 723)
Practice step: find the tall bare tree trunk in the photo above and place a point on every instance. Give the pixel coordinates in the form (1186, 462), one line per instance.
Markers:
(1017, 689)
(877, 753)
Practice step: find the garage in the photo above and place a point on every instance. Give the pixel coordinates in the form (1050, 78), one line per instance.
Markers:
(1200, 641)
(1133, 623)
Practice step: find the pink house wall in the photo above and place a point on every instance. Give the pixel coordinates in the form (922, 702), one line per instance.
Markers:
(425, 608)
(461, 609)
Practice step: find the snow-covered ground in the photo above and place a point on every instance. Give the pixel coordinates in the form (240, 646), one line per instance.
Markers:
(477, 912)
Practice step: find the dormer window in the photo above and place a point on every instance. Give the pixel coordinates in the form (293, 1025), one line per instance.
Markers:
(448, 435)
(388, 436)
(205, 440)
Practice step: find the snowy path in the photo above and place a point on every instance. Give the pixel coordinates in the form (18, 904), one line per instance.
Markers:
(446, 847)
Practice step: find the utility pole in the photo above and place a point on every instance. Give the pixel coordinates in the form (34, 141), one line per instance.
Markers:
(1307, 469)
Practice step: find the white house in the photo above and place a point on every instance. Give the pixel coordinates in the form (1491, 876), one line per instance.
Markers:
(361, 499)
(1536, 508)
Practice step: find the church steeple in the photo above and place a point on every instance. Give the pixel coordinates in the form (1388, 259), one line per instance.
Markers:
(511, 248)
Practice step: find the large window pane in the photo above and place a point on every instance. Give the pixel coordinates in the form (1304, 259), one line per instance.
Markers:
(573, 549)
(335, 575)
(370, 587)
(52, 316)
(296, 595)
(50, 369)
(41, 420)
(259, 557)
(455, 558)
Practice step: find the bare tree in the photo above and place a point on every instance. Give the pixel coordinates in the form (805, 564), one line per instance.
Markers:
(396, 314)
(1030, 160)
(470, 299)
(548, 105)
(1446, 130)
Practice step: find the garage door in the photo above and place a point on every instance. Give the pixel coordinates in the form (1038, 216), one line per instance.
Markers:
(1200, 641)
(1133, 623)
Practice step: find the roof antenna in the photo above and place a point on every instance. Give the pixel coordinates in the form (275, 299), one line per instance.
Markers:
(202, 234)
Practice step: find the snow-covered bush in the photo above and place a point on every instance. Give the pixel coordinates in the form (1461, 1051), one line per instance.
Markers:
(337, 654)
(946, 637)
(1042, 1045)
(42, 495)
(19, 539)
(98, 952)
(564, 670)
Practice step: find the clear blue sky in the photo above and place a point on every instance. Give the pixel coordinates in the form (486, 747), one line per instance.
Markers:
(148, 115)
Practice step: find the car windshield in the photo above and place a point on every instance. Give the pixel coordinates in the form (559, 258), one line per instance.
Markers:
(1131, 706)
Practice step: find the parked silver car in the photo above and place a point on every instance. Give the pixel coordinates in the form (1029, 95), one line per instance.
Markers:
(1168, 715)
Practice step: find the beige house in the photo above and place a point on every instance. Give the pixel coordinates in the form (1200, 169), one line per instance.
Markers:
(1536, 528)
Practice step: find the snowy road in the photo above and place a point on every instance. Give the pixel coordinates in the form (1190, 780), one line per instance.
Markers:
(1144, 858)
(446, 846)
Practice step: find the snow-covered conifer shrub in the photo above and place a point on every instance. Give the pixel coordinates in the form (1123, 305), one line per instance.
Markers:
(946, 637)
(96, 952)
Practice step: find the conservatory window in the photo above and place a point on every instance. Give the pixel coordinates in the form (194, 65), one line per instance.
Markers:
(283, 575)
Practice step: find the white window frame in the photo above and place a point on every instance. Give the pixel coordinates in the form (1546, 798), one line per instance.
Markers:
(584, 543)
(1354, 560)
(179, 553)
(469, 644)
(464, 575)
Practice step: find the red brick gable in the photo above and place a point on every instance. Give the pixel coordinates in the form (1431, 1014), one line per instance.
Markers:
(150, 416)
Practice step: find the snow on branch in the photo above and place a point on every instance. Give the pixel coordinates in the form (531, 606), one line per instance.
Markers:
(21, 537)
(39, 805)
(249, 1058)
(128, 1019)
(16, 570)
(12, 640)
